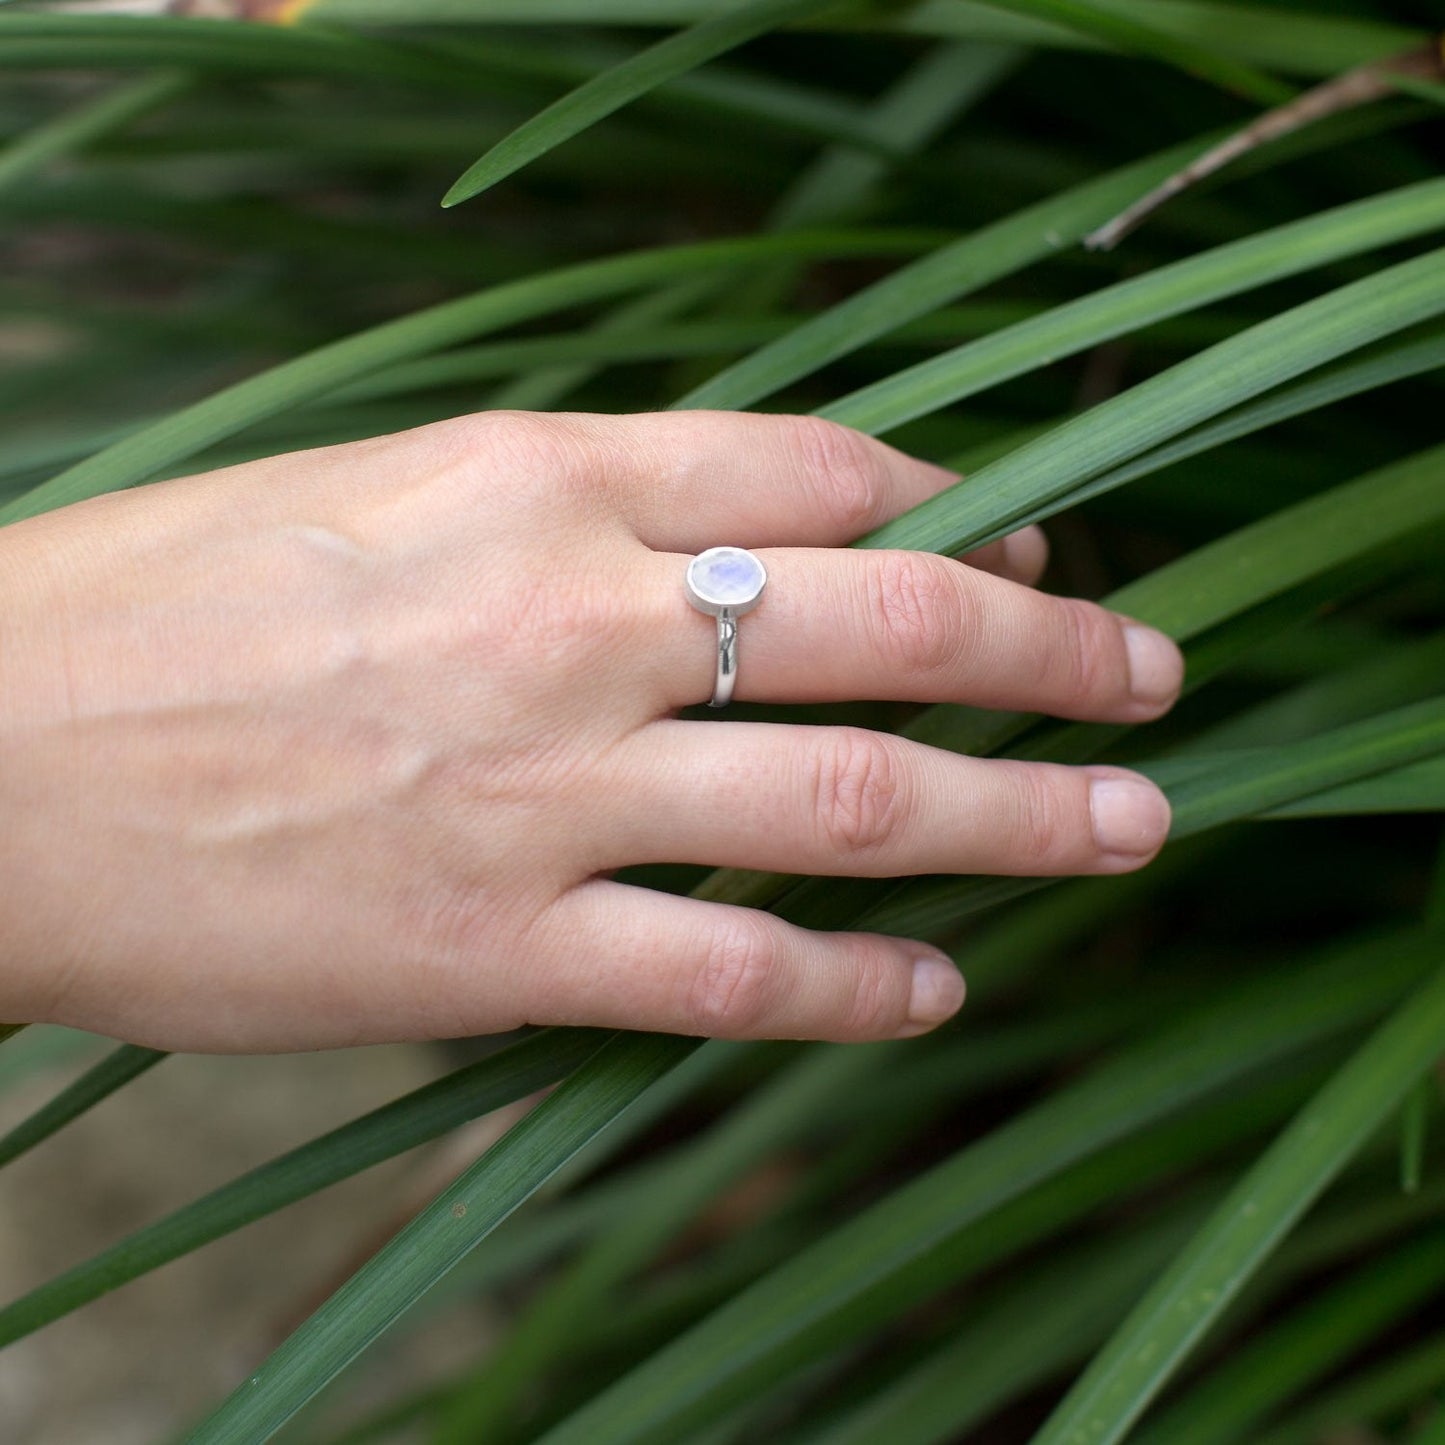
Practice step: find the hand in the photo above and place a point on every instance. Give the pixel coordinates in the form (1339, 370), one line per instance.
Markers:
(343, 746)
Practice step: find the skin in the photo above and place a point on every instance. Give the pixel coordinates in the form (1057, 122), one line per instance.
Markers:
(344, 746)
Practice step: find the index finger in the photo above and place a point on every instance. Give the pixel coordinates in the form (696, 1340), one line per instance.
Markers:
(686, 481)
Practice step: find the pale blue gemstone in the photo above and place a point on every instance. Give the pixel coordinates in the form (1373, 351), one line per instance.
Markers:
(727, 576)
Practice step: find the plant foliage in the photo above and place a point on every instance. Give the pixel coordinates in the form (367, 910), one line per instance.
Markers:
(1148, 1185)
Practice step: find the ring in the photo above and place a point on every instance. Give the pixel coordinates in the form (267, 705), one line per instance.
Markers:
(725, 582)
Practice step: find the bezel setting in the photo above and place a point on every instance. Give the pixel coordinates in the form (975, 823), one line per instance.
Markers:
(725, 580)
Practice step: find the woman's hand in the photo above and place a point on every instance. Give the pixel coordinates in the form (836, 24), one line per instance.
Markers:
(343, 746)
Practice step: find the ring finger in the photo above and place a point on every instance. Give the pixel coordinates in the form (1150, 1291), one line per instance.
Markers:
(847, 624)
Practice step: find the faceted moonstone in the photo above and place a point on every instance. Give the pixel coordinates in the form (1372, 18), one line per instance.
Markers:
(726, 576)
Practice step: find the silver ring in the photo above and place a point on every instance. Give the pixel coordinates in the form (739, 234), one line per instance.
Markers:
(725, 582)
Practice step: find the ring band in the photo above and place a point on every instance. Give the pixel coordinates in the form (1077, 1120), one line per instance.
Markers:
(725, 582)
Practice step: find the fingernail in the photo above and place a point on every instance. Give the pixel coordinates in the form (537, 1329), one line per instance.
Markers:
(937, 994)
(1156, 666)
(1130, 815)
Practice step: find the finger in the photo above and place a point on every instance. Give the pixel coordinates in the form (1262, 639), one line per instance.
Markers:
(685, 481)
(849, 802)
(1022, 556)
(678, 965)
(845, 624)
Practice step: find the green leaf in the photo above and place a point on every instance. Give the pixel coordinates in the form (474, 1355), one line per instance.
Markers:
(614, 88)
(1415, 1121)
(426, 1113)
(141, 455)
(1124, 31)
(1004, 1345)
(1313, 1339)
(765, 1331)
(1391, 676)
(834, 189)
(1117, 310)
(1028, 1331)
(95, 42)
(1203, 792)
(1265, 355)
(997, 250)
(1175, 1315)
(75, 129)
(1214, 582)
(442, 1234)
(1397, 1385)
(1433, 1432)
(1289, 40)
(1330, 385)
(1206, 791)
(1415, 788)
(770, 1117)
(99, 1082)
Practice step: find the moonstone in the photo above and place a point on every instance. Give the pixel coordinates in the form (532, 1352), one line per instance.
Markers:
(726, 576)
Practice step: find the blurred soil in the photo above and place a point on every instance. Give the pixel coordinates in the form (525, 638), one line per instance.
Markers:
(137, 1365)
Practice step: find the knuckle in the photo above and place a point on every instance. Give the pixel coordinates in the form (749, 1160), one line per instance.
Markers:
(1047, 829)
(844, 470)
(1088, 645)
(857, 793)
(879, 1003)
(918, 605)
(442, 931)
(730, 992)
(547, 633)
(528, 446)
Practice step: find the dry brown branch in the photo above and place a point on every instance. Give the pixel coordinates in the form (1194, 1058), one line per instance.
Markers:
(1355, 87)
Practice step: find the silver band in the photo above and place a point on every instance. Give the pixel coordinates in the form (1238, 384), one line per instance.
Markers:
(727, 659)
(725, 582)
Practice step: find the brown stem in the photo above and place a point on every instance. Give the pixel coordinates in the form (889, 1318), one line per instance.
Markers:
(1355, 87)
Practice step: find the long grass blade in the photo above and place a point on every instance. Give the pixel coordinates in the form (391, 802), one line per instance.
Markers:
(99, 1082)
(997, 250)
(1332, 384)
(1291, 41)
(1031, 1334)
(764, 1121)
(1203, 793)
(35, 41)
(427, 1113)
(137, 457)
(769, 1328)
(1231, 372)
(1311, 1340)
(77, 128)
(1352, 520)
(614, 88)
(1415, 788)
(833, 190)
(1116, 310)
(1207, 791)
(1031, 1331)
(441, 1235)
(1175, 1315)
(1412, 1375)
(1128, 32)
